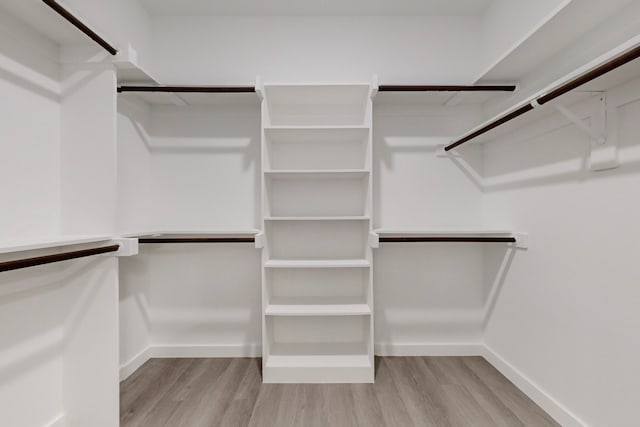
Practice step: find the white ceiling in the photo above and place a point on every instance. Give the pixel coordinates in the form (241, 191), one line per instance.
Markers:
(317, 8)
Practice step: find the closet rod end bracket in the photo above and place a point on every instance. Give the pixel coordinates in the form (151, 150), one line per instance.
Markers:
(128, 247)
(522, 240)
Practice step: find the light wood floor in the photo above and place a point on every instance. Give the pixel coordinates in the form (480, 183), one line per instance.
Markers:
(409, 391)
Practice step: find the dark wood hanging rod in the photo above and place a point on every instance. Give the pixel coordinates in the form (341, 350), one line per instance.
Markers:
(81, 26)
(448, 239)
(196, 240)
(49, 259)
(186, 89)
(572, 84)
(446, 88)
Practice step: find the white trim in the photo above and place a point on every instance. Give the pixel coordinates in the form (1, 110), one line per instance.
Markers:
(428, 349)
(187, 351)
(198, 351)
(129, 367)
(59, 421)
(550, 405)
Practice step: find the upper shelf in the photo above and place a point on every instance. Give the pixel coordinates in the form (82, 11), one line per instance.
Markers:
(442, 232)
(605, 72)
(442, 95)
(196, 233)
(30, 244)
(191, 95)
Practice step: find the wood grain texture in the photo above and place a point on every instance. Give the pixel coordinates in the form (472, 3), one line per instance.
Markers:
(409, 391)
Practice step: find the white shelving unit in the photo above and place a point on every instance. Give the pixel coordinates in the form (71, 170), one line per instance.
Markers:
(316, 277)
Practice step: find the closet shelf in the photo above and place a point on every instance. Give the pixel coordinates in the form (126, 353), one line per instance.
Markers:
(270, 129)
(442, 232)
(325, 263)
(198, 233)
(317, 174)
(319, 361)
(317, 218)
(20, 245)
(607, 71)
(317, 309)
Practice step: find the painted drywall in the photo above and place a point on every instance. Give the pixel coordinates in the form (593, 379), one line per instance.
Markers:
(30, 133)
(423, 298)
(566, 315)
(32, 313)
(135, 183)
(206, 167)
(227, 50)
(88, 152)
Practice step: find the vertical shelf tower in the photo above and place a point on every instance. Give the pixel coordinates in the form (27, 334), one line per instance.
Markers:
(317, 292)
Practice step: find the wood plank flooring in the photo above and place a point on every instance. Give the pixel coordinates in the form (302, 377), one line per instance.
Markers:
(409, 391)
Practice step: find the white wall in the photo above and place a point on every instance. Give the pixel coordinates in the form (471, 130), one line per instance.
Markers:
(29, 134)
(423, 298)
(227, 50)
(206, 167)
(566, 315)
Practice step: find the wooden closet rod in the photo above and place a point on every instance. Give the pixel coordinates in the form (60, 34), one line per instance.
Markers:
(448, 239)
(599, 71)
(49, 259)
(186, 89)
(81, 26)
(197, 240)
(446, 88)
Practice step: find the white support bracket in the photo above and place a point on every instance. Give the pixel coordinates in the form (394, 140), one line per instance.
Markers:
(603, 133)
(522, 240)
(260, 88)
(375, 85)
(128, 247)
(374, 240)
(259, 239)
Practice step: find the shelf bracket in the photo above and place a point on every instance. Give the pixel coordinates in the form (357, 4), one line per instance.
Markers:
(375, 85)
(602, 132)
(259, 88)
(522, 240)
(128, 247)
(259, 240)
(374, 240)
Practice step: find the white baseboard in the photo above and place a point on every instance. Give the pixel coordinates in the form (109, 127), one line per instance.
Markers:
(134, 363)
(188, 351)
(554, 408)
(59, 421)
(435, 349)
(197, 351)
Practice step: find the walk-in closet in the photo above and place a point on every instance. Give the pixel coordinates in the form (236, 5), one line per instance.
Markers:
(343, 213)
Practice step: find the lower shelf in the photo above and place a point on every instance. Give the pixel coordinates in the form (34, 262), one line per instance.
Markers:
(328, 263)
(318, 363)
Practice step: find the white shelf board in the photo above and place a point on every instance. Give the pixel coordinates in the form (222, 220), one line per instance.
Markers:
(316, 174)
(29, 244)
(312, 361)
(442, 232)
(606, 82)
(316, 306)
(317, 218)
(195, 99)
(537, 114)
(200, 233)
(316, 134)
(330, 354)
(438, 98)
(315, 128)
(325, 263)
